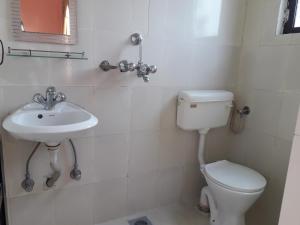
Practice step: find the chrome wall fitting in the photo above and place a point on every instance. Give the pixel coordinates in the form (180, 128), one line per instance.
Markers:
(245, 111)
(238, 118)
(136, 39)
(143, 70)
(125, 66)
(105, 66)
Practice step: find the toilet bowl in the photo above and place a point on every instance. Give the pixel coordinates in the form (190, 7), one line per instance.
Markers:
(232, 190)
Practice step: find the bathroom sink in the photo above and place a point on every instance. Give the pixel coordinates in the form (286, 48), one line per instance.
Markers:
(32, 122)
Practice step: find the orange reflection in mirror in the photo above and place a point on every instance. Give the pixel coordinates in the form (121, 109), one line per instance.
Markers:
(45, 16)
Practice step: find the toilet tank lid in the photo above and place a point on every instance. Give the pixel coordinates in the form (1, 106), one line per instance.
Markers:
(206, 95)
(235, 176)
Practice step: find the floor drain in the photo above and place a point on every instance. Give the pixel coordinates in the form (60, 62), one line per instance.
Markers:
(140, 221)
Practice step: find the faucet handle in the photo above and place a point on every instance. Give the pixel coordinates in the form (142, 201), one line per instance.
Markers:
(60, 97)
(131, 67)
(123, 66)
(146, 78)
(38, 98)
(153, 69)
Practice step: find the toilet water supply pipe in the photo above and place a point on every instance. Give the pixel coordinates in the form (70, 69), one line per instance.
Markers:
(201, 146)
(206, 203)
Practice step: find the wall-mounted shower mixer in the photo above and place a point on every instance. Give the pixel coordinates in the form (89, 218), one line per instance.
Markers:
(143, 70)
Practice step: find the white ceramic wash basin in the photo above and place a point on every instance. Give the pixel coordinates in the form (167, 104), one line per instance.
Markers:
(32, 122)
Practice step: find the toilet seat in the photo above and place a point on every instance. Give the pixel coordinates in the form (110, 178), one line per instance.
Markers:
(235, 177)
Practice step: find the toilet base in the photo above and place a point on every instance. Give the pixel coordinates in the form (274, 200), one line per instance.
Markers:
(228, 220)
(219, 217)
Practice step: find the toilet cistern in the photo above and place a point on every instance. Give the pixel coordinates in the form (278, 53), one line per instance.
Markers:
(203, 110)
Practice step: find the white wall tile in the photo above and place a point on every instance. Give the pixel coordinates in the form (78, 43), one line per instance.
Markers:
(41, 210)
(146, 107)
(176, 19)
(170, 185)
(193, 181)
(265, 112)
(17, 96)
(157, 18)
(85, 154)
(109, 200)
(172, 149)
(255, 12)
(191, 148)
(112, 107)
(169, 108)
(142, 192)
(132, 15)
(73, 206)
(144, 153)
(291, 74)
(16, 152)
(85, 18)
(264, 68)
(30, 71)
(75, 72)
(260, 149)
(111, 157)
(280, 159)
(231, 32)
(217, 144)
(288, 115)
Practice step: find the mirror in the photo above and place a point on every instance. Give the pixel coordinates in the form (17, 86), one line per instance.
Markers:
(50, 21)
(50, 17)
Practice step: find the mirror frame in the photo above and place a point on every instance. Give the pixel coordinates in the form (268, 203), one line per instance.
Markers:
(20, 35)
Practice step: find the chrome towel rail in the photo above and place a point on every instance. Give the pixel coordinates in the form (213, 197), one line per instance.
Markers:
(45, 53)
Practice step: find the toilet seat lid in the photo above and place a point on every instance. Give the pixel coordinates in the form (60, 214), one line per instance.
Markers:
(234, 176)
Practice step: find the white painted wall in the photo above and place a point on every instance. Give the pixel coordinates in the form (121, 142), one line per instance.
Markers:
(136, 158)
(290, 204)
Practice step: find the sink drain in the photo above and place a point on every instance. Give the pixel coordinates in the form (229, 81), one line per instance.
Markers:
(140, 221)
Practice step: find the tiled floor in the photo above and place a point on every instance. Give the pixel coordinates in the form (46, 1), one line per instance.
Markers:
(170, 215)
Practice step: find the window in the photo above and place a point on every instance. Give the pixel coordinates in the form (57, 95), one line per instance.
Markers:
(292, 22)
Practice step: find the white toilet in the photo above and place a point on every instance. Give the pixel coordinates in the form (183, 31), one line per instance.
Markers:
(232, 188)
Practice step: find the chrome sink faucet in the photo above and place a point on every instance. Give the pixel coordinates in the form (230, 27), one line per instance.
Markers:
(51, 98)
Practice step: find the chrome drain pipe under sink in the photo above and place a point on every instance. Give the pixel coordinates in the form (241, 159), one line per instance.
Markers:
(53, 152)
